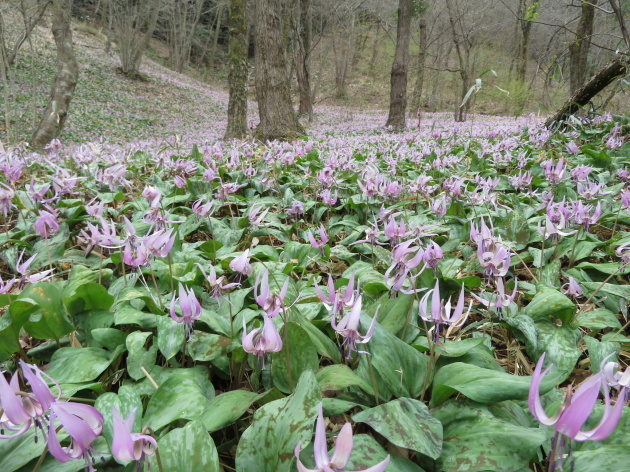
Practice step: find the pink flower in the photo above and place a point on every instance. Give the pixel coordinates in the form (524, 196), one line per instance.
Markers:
(262, 341)
(343, 449)
(348, 327)
(241, 264)
(128, 446)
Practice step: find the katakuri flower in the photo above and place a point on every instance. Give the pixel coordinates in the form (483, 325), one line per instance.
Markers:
(440, 312)
(343, 449)
(128, 446)
(336, 300)
(271, 303)
(577, 407)
(241, 264)
(189, 306)
(46, 225)
(322, 235)
(348, 327)
(262, 341)
(500, 299)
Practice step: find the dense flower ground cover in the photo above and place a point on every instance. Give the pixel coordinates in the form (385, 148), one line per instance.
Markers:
(238, 306)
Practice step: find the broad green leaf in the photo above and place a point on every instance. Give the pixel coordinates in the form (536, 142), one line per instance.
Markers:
(298, 355)
(90, 296)
(50, 320)
(184, 395)
(189, 449)
(268, 444)
(207, 346)
(170, 336)
(370, 279)
(324, 345)
(17, 452)
(398, 369)
(393, 313)
(81, 275)
(138, 356)
(599, 318)
(482, 385)
(109, 338)
(125, 401)
(548, 304)
(406, 423)
(75, 365)
(477, 441)
(226, 408)
(622, 291)
(340, 376)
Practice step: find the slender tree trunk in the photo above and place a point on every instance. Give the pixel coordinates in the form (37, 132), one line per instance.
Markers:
(613, 70)
(462, 57)
(217, 29)
(304, 27)
(398, 90)
(277, 116)
(237, 105)
(63, 86)
(146, 37)
(526, 14)
(422, 54)
(29, 24)
(578, 50)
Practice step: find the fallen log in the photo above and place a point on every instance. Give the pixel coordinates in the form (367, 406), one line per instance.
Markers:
(614, 69)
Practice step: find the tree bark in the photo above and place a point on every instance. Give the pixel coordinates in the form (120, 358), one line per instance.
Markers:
(463, 59)
(277, 116)
(304, 27)
(614, 69)
(29, 24)
(237, 105)
(63, 86)
(422, 54)
(578, 50)
(526, 13)
(398, 90)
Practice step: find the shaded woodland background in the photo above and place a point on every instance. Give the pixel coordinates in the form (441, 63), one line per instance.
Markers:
(520, 56)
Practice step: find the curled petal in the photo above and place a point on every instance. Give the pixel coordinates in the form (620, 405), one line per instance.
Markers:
(343, 447)
(534, 403)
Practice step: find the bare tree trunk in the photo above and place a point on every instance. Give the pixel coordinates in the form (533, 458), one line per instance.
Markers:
(398, 90)
(462, 56)
(277, 117)
(217, 30)
(578, 50)
(622, 23)
(614, 69)
(56, 112)
(237, 105)
(29, 24)
(526, 14)
(416, 99)
(304, 30)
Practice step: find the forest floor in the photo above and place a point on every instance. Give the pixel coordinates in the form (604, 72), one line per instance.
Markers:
(167, 107)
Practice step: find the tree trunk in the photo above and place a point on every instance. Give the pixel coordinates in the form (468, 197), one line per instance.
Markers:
(56, 112)
(463, 59)
(614, 69)
(146, 37)
(526, 14)
(237, 105)
(304, 27)
(29, 24)
(578, 50)
(398, 90)
(277, 117)
(416, 101)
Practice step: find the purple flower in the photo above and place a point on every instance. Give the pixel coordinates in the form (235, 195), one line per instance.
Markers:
(160, 243)
(322, 235)
(614, 377)
(202, 209)
(241, 264)
(572, 289)
(554, 173)
(128, 446)
(334, 301)
(135, 256)
(272, 304)
(572, 148)
(581, 172)
(262, 341)
(348, 327)
(623, 252)
(405, 258)
(440, 206)
(433, 255)
(585, 215)
(440, 313)
(256, 218)
(189, 306)
(26, 275)
(577, 407)
(6, 286)
(494, 258)
(500, 299)
(83, 423)
(328, 198)
(343, 449)
(6, 199)
(625, 197)
(46, 225)
(217, 285)
(296, 208)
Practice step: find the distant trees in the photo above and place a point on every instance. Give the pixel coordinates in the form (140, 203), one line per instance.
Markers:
(398, 82)
(56, 112)
(278, 119)
(181, 19)
(133, 23)
(237, 80)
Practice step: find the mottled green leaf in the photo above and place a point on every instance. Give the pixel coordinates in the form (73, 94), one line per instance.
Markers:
(207, 346)
(340, 376)
(268, 444)
(170, 336)
(298, 355)
(138, 356)
(75, 365)
(50, 320)
(406, 423)
(189, 449)
(226, 408)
